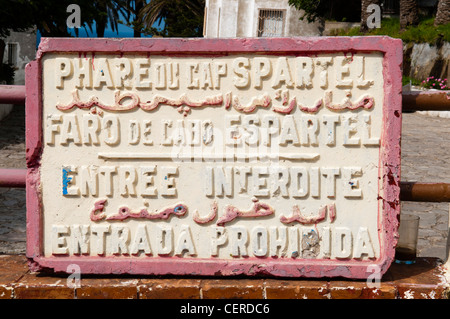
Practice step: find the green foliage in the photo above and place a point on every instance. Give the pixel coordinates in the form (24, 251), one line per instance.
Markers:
(50, 17)
(14, 17)
(335, 10)
(424, 32)
(408, 80)
(104, 13)
(313, 9)
(181, 18)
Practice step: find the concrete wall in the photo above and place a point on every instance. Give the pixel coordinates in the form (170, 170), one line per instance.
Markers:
(239, 18)
(26, 52)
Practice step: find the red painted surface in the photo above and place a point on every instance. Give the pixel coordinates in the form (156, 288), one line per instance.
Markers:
(125, 213)
(149, 106)
(12, 94)
(298, 217)
(389, 156)
(33, 134)
(257, 209)
(10, 177)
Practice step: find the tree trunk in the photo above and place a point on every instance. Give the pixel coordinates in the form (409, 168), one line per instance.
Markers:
(364, 14)
(409, 13)
(139, 5)
(443, 13)
(102, 19)
(100, 28)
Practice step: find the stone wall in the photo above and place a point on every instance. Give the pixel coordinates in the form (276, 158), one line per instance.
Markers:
(421, 60)
(26, 52)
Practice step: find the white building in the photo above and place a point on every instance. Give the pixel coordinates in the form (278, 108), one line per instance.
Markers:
(255, 18)
(20, 49)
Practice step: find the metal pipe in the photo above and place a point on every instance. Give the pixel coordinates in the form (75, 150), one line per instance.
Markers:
(12, 94)
(409, 191)
(424, 192)
(11, 177)
(411, 101)
(426, 101)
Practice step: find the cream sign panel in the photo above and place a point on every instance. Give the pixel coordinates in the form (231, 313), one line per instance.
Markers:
(241, 156)
(232, 158)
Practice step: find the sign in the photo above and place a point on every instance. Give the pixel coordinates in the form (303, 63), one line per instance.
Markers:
(214, 157)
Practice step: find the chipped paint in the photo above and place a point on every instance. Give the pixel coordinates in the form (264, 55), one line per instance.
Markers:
(165, 213)
(208, 218)
(297, 215)
(364, 102)
(65, 179)
(135, 102)
(124, 212)
(310, 244)
(257, 210)
(409, 294)
(97, 212)
(260, 101)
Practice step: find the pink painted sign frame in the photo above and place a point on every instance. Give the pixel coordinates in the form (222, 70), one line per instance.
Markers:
(389, 174)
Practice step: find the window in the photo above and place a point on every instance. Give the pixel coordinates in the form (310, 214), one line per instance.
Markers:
(12, 54)
(270, 23)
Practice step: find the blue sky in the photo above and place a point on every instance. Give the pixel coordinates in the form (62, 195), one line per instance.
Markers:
(123, 32)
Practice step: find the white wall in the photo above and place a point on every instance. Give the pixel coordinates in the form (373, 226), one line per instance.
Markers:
(239, 18)
(26, 52)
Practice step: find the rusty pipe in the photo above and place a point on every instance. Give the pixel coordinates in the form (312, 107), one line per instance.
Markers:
(411, 101)
(426, 101)
(15, 178)
(424, 192)
(12, 94)
(409, 191)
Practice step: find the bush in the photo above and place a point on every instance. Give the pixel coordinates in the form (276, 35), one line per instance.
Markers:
(424, 32)
(408, 80)
(435, 83)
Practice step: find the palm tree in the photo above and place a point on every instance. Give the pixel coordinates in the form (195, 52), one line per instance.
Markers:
(108, 11)
(443, 13)
(409, 13)
(134, 16)
(158, 10)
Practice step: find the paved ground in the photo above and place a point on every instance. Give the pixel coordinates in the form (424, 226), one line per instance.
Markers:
(425, 158)
(12, 200)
